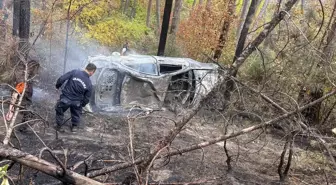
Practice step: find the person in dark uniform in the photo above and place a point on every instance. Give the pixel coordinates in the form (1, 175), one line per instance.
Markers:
(26, 86)
(75, 95)
(125, 49)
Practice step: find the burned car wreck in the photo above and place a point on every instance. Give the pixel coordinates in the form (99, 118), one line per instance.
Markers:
(148, 82)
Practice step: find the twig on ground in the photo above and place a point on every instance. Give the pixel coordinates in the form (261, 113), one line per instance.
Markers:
(54, 156)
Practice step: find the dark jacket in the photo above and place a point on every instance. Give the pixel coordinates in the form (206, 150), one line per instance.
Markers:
(78, 87)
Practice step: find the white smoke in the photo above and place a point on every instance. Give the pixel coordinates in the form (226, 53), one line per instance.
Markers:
(50, 53)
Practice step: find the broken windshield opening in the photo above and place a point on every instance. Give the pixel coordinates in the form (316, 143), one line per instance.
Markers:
(168, 68)
(146, 65)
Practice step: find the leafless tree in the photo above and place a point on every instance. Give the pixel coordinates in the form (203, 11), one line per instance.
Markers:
(176, 16)
(149, 8)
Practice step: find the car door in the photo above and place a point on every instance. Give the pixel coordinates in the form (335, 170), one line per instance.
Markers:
(106, 90)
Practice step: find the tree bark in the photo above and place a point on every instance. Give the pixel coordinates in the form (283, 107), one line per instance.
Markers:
(24, 27)
(164, 27)
(149, 7)
(176, 16)
(328, 48)
(245, 28)
(242, 16)
(16, 17)
(261, 13)
(303, 6)
(157, 8)
(327, 27)
(121, 6)
(194, 3)
(224, 31)
(67, 37)
(134, 7)
(126, 6)
(45, 167)
(21, 24)
(43, 8)
(4, 6)
(208, 5)
(283, 174)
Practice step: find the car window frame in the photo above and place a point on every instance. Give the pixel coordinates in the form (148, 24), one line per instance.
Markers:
(151, 74)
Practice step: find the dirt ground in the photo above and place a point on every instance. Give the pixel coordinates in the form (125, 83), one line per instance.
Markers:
(106, 137)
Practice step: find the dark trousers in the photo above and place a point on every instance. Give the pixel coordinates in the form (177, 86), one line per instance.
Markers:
(26, 114)
(75, 110)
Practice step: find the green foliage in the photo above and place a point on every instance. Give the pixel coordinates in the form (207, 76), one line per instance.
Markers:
(3, 172)
(254, 69)
(102, 21)
(114, 31)
(92, 13)
(189, 2)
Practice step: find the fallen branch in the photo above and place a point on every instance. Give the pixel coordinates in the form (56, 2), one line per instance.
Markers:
(44, 166)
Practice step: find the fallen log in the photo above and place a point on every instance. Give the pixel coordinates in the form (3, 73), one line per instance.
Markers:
(46, 167)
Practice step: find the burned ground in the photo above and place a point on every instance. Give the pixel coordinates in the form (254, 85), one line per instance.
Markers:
(106, 137)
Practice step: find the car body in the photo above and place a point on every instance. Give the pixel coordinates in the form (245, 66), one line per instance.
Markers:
(148, 82)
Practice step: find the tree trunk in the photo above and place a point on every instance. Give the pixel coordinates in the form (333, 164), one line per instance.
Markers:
(149, 7)
(126, 6)
(283, 174)
(121, 6)
(194, 3)
(134, 8)
(4, 6)
(208, 5)
(242, 16)
(165, 26)
(224, 31)
(328, 48)
(157, 8)
(176, 16)
(303, 6)
(67, 37)
(327, 27)
(16, 17)
(43, 8)
(24, 27)
(200, 2)
(21, 23)
(261, 13)
(245, 29)
(24, 20)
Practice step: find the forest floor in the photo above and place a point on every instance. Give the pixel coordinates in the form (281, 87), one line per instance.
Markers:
(255, 156)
